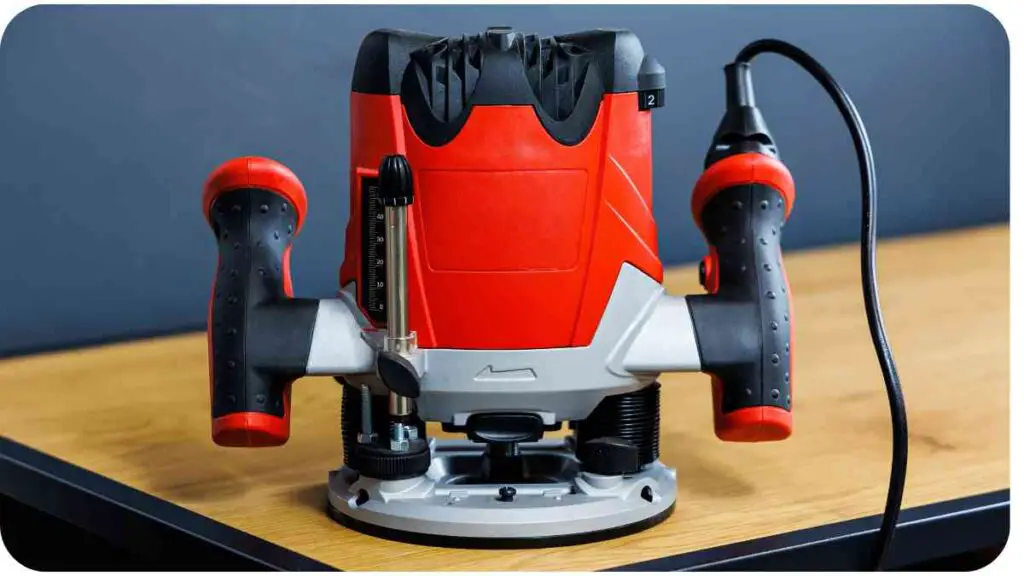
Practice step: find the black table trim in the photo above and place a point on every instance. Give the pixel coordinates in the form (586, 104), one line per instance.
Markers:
(942, 529)
(146, 525)
(159, 529)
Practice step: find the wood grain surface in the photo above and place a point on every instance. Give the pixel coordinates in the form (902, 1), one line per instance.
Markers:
(139, 413)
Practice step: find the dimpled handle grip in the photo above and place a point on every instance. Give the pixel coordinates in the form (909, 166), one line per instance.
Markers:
(255, 207)
(744, 325)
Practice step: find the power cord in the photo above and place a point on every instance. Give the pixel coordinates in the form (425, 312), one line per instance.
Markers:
(869, 285)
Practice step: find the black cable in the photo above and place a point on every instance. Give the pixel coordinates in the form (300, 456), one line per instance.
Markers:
(868, 234)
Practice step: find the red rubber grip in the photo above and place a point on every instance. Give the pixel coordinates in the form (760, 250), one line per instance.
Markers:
(756, 424)
(748, 168)
(740, 204)
(255, 172)
(252, 429)
(246, 428)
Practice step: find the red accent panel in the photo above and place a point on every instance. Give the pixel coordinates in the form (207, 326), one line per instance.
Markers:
(515, 240)
(252, 429)
(255, 172)
(748, 168)
(756, 424)
(535, 226)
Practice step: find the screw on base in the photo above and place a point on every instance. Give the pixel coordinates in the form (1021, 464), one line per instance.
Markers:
(506, 494)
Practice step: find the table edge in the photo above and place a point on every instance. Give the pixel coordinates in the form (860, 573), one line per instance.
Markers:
(111, 510)
(956, 526)
(108, 508)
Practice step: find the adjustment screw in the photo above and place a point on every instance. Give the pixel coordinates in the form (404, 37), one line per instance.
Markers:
(506, 494)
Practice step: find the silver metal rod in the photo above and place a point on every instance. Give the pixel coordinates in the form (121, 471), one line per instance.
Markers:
(396, 263)
(397, 269)
(399, 405)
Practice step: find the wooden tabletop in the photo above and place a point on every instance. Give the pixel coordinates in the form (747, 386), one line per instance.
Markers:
(138, 413)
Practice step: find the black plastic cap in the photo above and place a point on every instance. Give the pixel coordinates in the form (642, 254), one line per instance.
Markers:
(609, 456)
(742, 128)
(651, 84)
(651, 75)
(395, 181)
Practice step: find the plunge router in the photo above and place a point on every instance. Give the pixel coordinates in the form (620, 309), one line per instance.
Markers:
(501, 277)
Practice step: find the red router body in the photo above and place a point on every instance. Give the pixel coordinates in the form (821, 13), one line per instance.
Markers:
(501, 277)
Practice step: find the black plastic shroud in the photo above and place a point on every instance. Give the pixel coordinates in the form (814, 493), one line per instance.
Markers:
(564, 78)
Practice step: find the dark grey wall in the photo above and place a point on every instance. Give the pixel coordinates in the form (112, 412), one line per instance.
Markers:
(111, 118)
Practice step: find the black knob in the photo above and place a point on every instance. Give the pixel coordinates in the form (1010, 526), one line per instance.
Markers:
(702, 274)
(504, 427)
(398, 374)
(381, 463)
(506, 493)
(395, 177)
(609, 456)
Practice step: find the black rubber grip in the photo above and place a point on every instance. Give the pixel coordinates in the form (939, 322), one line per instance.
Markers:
(743, 329)
(259, 337)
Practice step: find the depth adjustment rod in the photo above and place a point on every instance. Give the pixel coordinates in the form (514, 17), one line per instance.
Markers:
(404, 454)
(394, 363)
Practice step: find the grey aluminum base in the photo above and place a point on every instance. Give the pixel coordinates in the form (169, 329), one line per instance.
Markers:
(559, 501)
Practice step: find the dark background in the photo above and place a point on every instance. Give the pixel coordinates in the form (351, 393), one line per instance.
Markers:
(111, 118)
